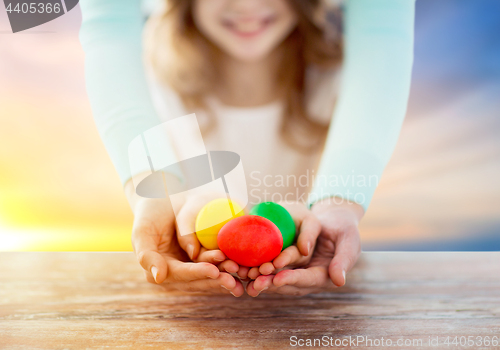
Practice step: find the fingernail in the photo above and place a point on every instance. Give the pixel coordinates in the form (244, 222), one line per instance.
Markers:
(154, 272)
(263, 290)
(223, 286)
(190, 250)
(308, 248)
(218, 259)
(343, 274)
(232, 294)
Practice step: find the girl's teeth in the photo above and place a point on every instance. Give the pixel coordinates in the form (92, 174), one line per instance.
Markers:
(248, 27)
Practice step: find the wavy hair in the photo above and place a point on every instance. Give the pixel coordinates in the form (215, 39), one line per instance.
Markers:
(184, 59)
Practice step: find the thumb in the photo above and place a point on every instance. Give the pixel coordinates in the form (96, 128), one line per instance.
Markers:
(310, 228)
(146, 252)
(347, 251)
(185, 222)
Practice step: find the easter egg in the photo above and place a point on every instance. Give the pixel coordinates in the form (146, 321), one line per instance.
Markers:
(280, 217)
(212, 217)
(250, 240)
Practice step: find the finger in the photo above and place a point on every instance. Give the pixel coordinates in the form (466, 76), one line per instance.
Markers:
(310, 228)
(253, 273)
(229, 266)
(189, 271)
(231, 284)
(243, 272)
(225, 283)
(347, 251)
(312, 277)
(185, 221)
(149, 277)
(291, 290)
(289, 256)
(238, 290)
(266, 268)
(203, 285)
(146, 252)
(284, 290)
(251, 290)
(215, 256)
(262, 283)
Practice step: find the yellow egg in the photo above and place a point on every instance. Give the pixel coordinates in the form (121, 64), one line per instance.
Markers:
(212, 217)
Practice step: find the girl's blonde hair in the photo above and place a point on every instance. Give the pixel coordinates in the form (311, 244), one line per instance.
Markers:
(184, 59)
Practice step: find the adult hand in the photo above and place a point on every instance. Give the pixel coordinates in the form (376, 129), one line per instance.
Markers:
(156, 245)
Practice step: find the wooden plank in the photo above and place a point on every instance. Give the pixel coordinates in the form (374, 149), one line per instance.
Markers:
(100, 300)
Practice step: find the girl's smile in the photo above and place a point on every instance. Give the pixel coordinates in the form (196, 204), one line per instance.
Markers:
(245, 30)
(248, 27)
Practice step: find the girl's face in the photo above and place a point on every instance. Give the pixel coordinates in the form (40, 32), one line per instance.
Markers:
(247, 30)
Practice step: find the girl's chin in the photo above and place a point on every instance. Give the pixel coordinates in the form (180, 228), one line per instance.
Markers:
(249, 54)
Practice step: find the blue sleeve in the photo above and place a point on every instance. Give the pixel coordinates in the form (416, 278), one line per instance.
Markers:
(111, 36)
(372, 100)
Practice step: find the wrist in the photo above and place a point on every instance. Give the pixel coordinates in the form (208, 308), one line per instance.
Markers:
(129, 189)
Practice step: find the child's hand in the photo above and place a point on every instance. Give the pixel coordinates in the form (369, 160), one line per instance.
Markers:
(298, 254)
(157, 248)
(188, 241)
(337, 250)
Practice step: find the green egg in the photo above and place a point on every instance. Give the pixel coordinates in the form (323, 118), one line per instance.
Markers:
(280, 217)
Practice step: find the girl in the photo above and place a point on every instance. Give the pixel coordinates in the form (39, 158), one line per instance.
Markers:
(262, 77)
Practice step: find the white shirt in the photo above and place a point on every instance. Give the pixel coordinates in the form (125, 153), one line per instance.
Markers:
(274, 170)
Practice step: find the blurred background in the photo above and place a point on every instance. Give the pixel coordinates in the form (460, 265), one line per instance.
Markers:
(441, 190)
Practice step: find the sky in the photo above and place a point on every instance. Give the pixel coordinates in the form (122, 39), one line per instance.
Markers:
(440, 191)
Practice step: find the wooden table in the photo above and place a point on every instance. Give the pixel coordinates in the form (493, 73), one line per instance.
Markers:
(101, 300)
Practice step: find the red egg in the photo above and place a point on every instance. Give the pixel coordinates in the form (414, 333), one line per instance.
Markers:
(250, 240)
